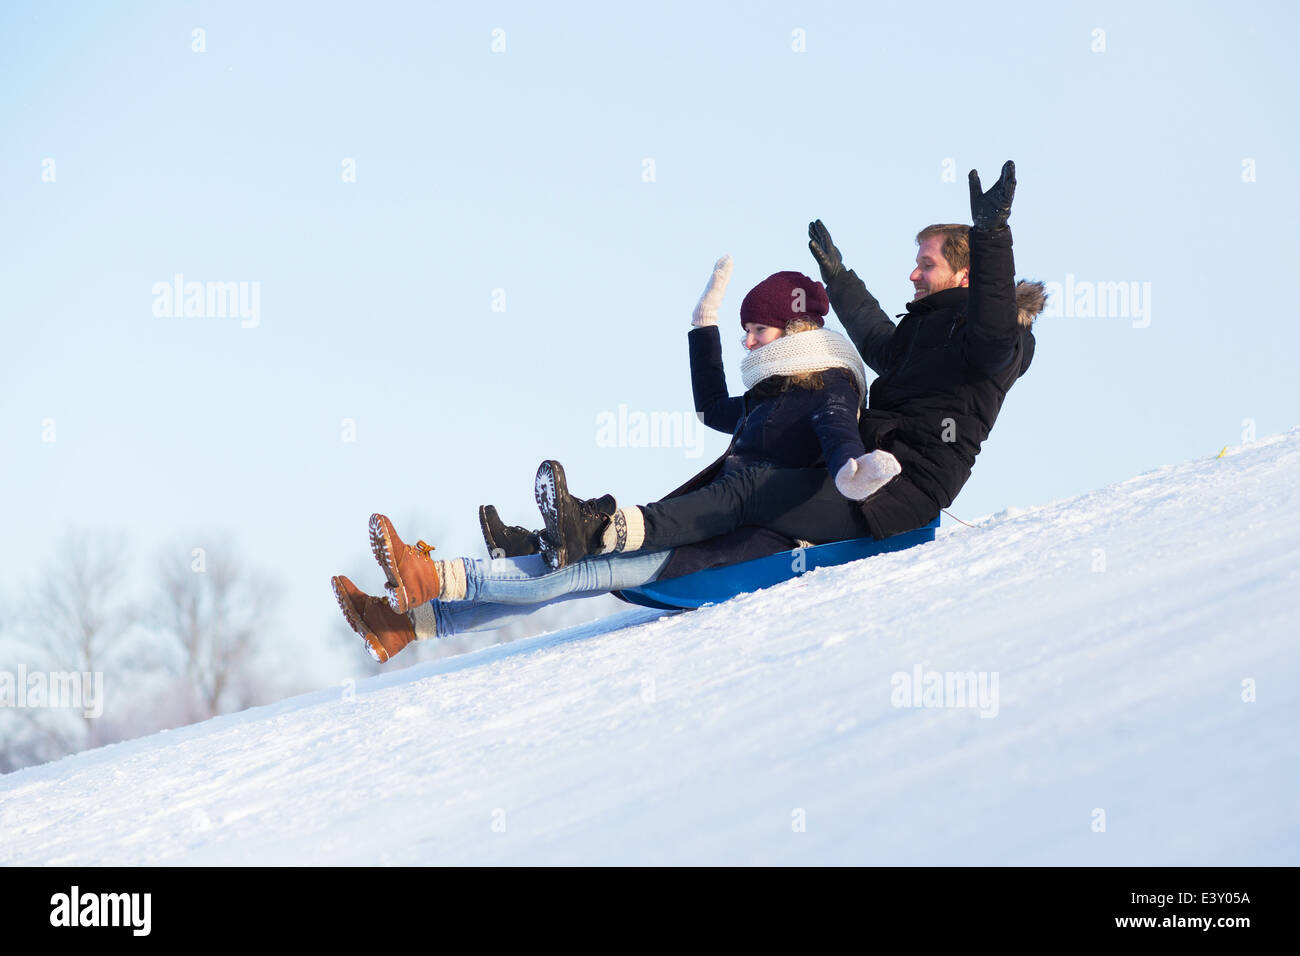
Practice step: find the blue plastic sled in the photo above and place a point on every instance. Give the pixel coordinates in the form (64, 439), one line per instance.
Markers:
(722, 584)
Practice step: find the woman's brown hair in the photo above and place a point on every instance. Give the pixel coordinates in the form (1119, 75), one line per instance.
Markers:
(809, 380)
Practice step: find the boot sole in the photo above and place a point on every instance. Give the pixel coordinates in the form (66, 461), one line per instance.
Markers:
(483, 525)
(356, 622)
(381, 546)
(552, 494)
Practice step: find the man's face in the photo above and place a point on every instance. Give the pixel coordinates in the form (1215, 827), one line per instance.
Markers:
(932, 273)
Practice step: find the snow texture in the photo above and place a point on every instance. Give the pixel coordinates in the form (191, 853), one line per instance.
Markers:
(1125, 629)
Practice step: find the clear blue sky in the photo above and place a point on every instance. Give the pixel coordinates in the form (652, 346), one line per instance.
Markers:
(523, 171)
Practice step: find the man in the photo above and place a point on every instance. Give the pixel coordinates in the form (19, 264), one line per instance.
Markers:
(943, 370)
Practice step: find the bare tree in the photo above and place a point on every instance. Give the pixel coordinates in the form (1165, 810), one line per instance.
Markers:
(78, 603)
(75, 618)
(215, 609)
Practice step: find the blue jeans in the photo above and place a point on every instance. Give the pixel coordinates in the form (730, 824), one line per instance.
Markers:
(500, 591)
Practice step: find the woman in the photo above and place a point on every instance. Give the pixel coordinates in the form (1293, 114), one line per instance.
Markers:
(805, 388)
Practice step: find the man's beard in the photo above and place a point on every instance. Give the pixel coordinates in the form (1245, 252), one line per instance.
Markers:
(922, 293)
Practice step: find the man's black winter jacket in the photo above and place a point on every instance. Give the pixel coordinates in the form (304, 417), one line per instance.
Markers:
(944, 371)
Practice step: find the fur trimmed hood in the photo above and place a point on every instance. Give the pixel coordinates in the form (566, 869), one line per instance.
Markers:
(1031, 298)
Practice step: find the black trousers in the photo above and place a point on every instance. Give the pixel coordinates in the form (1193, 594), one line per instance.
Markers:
(800, 503)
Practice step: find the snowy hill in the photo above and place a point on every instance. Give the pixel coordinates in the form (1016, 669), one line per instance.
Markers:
(1136, 646)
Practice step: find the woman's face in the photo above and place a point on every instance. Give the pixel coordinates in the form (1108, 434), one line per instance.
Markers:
(757, 335)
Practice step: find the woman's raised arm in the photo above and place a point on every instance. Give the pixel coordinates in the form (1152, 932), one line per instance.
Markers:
(708, 380)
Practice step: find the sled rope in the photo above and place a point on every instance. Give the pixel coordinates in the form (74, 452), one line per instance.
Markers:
(955, 518)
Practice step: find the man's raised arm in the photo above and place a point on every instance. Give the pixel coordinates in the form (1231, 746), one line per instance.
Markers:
(869, 328)
(994, 329)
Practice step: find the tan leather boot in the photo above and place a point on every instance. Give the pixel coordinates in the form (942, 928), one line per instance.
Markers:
(384, 630)
(412, 573)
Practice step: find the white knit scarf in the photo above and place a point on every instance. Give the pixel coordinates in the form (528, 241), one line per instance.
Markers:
(811, 351)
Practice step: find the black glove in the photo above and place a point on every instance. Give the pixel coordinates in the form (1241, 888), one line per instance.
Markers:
(824, 251)
(990, 210)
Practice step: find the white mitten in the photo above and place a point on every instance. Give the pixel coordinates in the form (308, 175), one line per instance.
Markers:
(706, 310)
(859, 478)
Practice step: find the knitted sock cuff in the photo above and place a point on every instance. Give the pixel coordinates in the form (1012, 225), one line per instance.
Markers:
(625, 531)
(425, 621)
(451, 576)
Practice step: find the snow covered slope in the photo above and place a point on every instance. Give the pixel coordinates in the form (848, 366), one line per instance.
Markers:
(1142, 639)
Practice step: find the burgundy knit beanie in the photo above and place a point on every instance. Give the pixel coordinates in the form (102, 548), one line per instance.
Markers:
(783, 297)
